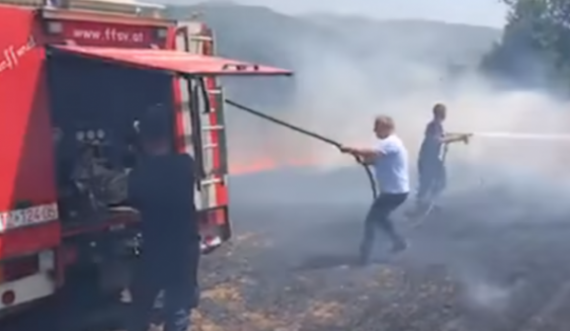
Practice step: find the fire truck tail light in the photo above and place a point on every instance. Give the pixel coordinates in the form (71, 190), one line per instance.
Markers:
(54, 27)
(19, 268)
(8, 298)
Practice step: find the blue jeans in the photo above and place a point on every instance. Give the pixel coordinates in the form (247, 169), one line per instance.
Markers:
(432, 180)
(177, 277)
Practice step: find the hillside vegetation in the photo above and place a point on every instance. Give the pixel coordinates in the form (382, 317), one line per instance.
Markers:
(300, 42)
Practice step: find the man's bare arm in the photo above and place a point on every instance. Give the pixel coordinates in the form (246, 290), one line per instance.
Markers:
(367, 154)
(450, 138)
(369, 160)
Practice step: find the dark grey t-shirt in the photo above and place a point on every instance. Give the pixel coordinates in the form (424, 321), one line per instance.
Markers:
(433, 148)
(161, 188)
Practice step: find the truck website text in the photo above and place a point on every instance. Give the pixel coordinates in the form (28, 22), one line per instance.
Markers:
(109, 34)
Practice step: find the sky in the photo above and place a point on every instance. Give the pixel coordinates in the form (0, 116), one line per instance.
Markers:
(475, 12)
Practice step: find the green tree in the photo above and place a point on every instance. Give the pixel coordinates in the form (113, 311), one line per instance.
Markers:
(535, 45)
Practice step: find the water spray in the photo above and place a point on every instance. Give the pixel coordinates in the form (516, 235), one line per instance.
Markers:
(523, 136)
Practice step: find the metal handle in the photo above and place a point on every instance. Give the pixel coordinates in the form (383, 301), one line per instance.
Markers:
(240, 67)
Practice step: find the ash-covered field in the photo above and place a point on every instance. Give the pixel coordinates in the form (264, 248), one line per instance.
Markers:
(494, 258)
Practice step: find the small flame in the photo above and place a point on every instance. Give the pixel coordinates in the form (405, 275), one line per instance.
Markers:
(265, 164)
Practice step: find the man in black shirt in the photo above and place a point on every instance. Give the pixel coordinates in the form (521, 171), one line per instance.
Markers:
(161, 188)
(431, 160)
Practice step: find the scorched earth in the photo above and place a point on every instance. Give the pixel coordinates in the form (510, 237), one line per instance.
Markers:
(492, 260)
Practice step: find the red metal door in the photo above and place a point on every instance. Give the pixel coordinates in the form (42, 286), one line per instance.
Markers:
(203, 131)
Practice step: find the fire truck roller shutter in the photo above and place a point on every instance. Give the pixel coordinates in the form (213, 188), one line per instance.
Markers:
(172, 61)
(95, 104)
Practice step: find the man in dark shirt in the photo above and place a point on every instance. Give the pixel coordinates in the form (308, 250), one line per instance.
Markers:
(161, 188)
(431, 160)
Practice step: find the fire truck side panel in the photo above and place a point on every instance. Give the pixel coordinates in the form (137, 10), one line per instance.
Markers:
(28, 219)
(104, 34)
(29, 227)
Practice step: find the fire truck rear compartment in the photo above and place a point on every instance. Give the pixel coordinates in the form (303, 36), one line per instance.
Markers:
(95, 106)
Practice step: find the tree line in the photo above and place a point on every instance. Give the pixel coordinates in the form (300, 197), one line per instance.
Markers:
(535, 46)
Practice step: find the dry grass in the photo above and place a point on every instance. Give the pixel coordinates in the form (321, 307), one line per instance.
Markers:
(236, 297)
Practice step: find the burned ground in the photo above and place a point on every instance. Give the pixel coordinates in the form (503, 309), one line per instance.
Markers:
(491, 260)
(494, 259)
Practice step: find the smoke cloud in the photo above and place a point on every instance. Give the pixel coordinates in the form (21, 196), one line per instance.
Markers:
(506, 182)
(338, 93)
(339, 96)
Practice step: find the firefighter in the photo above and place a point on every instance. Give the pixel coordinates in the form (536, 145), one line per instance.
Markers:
(389, 157)
(432, 174)
(161, 188)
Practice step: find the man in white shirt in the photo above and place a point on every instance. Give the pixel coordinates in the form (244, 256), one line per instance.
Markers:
(389, 157)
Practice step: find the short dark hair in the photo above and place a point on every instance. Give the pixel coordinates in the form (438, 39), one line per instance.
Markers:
(155, 124)
(386, 121)
(439, 107)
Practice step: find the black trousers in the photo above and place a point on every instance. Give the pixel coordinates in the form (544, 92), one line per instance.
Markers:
(176, 276)
(378, 217)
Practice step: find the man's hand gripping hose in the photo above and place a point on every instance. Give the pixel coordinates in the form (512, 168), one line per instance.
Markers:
(309, 134)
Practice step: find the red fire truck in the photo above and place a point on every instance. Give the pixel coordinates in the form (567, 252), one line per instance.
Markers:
(74, 78)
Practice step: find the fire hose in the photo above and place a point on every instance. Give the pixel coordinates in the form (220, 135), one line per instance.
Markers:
(307, 133)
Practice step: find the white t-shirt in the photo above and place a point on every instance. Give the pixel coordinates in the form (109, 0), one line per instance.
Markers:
(392, 167)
